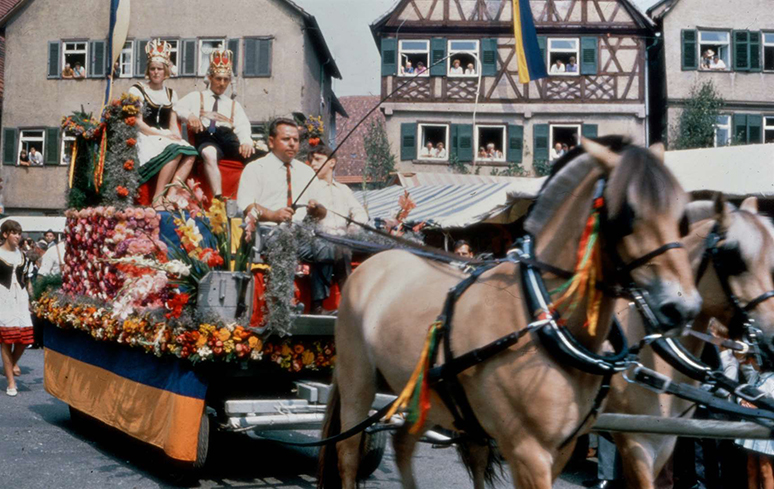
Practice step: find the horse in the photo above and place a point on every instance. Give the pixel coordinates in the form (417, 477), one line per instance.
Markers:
(531, 406)
(747, 256)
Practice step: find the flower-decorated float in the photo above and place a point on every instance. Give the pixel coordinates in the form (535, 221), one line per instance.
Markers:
(162, 313)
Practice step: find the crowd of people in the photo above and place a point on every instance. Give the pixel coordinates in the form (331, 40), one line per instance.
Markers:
(430, 150)
(490, 152)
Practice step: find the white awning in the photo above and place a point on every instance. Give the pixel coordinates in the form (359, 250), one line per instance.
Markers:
(38, 224)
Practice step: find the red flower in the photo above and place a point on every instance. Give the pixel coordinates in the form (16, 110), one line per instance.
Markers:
(131, 120)
(211, 257)
(122, 191)
(129, 165)
(314, 141)
(176, 304)
(131, 142)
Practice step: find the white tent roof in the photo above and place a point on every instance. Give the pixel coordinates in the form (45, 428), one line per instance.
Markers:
(39, 224)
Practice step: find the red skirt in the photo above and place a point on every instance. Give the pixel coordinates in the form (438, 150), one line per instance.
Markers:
(11, 336)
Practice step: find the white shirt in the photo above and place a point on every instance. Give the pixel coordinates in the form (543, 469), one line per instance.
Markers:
(557, 69)
(427, 153)
(441, 153)
(265, 182)
(36, 159)
(470, 71)
(340, 199)
(191, 105)
(456, 71)
(50, 263)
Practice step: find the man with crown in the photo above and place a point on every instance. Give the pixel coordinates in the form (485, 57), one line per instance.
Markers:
(221, 126)
(162, 152)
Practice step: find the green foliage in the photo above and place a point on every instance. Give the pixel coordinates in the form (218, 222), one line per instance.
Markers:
(380, 162)
(696, 126)
(86, 130)
(542, 167)
(457, 166)
(512, 170)
(45, 283)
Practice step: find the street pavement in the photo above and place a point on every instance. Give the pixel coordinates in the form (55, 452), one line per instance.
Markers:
(40, 447)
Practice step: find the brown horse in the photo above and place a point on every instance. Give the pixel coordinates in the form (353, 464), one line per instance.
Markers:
(749, 251)
(531, 405)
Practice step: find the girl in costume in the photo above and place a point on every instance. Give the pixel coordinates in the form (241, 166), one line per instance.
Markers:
(160, 147)
(15, 319)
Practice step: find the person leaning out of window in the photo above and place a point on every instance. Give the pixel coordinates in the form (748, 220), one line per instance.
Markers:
(68, 72)
(24, 159)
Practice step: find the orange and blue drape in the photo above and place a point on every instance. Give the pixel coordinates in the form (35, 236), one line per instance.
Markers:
(531, 64)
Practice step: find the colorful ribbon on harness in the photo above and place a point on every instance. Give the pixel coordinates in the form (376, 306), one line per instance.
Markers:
(99, 168)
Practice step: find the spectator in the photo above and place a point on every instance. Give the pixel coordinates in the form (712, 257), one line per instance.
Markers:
(462, 248)
(471, 69)
(481, 153)
(706, 59)
(79, 71)
(68, 72)
(50, 237)
(572, 66)
(760, 471)
(556, 152)
(408, 69)
(428, 151)
(24, 159)
(456, 68)
(36, 159)
(717, 64)
(52, 259)
(441, 151)
(116, 70)
(421, 68)
(565, 149)
(493, 153)
(557, 67)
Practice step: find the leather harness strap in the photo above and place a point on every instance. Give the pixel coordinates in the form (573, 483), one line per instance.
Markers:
(215, 115)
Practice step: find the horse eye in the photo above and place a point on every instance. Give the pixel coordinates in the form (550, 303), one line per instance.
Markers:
(685, 226)
(731, 260)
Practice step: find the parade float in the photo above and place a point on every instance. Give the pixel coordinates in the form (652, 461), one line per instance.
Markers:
(168, 323)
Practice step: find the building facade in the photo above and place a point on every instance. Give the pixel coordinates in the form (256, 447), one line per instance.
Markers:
(595, 51)
(728, 44)
(283, 65)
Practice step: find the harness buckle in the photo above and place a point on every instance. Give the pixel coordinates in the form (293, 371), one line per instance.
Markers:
(651, 380)
(748, 392)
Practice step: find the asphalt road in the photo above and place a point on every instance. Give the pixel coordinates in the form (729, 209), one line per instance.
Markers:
(40, 447)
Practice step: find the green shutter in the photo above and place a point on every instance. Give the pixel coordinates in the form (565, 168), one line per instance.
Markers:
(515, 143)
(465, 142)
(590, 131)
(251, 58)
(690, 50)
(540, 144)
(54, 70)
(97, 59)
(438, 53)
(589, 55)
(52, 146)
(740, 128)
(187, 58)
(233, 45)
(754, 128)
(741, 50)
(542, 45)
(389, 56)
(264, 57)
(489, 57)
(755, 51)
(140, 58)
(10, 146)
(408, 141)
(453, 142)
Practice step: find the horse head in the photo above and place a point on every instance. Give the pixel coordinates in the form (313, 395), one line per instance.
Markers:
(645, 208)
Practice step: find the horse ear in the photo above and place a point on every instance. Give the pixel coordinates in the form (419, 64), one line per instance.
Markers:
(658, 150)
(606, 158)
(721, 210)
(750, 204)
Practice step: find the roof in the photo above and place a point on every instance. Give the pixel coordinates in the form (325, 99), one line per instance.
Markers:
(351, 156)
(412, 179)
(661, 9)
(8, 8)
(338, 108)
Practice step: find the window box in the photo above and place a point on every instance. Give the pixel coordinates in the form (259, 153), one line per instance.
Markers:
(564, 135)
(714, 50)
(33, 138)
(490, 143)
(462, 60)
(414, 56)
(563, 55)
(75, 54)
(434, 141)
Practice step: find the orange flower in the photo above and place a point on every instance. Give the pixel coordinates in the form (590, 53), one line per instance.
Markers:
(129, 165)
(131, 120)
(298, 349)
(224, 334)
(255, 343)
(131, 142)
(122, 191)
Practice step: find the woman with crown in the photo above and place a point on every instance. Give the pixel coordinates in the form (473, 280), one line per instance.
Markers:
(162, 151)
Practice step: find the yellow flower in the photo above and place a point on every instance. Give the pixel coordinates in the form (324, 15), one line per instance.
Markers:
(228, 346)
(286, 350)
(207, 329)
(307, 358)
(203, 339)
(217, 216)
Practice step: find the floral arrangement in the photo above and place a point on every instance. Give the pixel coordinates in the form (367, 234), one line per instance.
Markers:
(315, 130)
(81, 124)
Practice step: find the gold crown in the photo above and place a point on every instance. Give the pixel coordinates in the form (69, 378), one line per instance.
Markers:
(221, 61)
(158, 50)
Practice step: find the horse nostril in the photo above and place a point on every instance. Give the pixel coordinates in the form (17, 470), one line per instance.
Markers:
(672, 313)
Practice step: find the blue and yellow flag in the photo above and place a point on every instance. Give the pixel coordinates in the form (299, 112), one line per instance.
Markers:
(532, 66)
(119, 28)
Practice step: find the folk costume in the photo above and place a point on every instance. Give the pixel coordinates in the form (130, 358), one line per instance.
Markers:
(225, 122)
(155, 151)
(15, 318)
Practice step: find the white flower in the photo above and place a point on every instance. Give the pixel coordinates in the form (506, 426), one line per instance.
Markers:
(176, 267)
(256, 355)
(204, 352)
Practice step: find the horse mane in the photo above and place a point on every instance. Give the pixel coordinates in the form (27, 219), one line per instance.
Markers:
(701, 210)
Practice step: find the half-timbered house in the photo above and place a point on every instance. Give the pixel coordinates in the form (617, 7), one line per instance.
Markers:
(441, 111)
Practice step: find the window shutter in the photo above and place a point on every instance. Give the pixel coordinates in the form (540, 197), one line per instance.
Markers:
(10, 146)
(589, 131)
(453, 142)
(140, 58)
(251, 58)
(438, 52)
(754, 128)
(233, 45)
(740, 128)
(97, 64)
(690, 50)
(489, 57)
(52, 146)
(755, 51)
(54, 70)
(465, 142)
(188, 58)
(408, 141)
(542, 42)
(515, 143)
(540, 145)
(741, 50)
(264, 57)
(389, 56)
(589, 55)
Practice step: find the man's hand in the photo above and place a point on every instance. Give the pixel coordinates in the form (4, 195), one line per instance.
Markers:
(246, 150)
(316, 210)
(279, 216)
(195, 123)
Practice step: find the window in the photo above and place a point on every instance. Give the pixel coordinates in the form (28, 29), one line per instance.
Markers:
(435, 142)
(768, 52)
(768, 129)
(462, 58)
(563, 137)
(32, 138)
(414, 56)
(68, 143)
(490, 141)
(563, 57)
(723, 130)
(714, 50)
(173, 55)
(207, 46)
(125, 61)
(75, 54)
